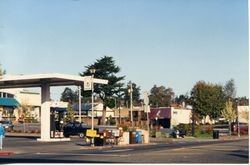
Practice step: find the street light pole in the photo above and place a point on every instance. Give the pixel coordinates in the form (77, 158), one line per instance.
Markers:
(92, 71)
(238, 125)
(80, 105)
(131, 104)
(193, 131)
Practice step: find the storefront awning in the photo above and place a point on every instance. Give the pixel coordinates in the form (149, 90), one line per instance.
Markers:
(160, 113)
(8, 102)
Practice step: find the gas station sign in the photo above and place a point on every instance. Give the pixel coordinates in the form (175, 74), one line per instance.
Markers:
(91, 133)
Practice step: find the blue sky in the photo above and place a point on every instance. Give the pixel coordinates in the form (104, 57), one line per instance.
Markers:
(173, 43)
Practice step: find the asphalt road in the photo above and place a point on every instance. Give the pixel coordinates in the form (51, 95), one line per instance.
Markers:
(28, 150)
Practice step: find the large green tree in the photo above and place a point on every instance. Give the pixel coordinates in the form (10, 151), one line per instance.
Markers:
(69, 95)
(207, 99)
(230, 89)
(2, 71)
(105, 69)
(161, 96)
(179, 100)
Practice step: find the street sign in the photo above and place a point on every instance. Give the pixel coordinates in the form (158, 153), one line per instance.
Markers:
(87, 83)
(146, 108)
(91, 133)
(145, 98)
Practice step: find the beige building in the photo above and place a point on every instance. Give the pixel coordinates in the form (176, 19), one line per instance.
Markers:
(180, 116)
(26, 98)
(243, 114)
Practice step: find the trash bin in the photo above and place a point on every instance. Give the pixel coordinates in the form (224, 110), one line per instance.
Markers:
(99, 141)
(138, 138)
(216, 134)
(132, 137)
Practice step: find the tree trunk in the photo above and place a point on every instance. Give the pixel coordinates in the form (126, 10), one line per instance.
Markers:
(103, 115)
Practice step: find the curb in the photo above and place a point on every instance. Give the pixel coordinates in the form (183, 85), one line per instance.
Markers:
(116, 146)
(5, 153)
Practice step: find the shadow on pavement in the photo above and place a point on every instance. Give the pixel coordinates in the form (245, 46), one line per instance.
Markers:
(26, 137)
(20, 160)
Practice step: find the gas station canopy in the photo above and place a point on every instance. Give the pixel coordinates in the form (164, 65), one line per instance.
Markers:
(36, 80)
(45, 81)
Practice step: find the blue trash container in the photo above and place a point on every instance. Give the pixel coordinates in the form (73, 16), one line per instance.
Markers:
(138, 138)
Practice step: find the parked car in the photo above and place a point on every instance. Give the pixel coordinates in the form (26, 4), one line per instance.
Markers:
(80, 129)
(243, 128)
(7, 124)
(75, 128)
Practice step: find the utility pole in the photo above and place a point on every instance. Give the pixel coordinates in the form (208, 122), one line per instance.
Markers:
(146, 107)
(238, 124)
(92, 71)
(193, 121)
(80, 105)
(130, 90)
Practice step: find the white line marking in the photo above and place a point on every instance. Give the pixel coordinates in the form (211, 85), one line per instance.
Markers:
(108, 151)
(72, 154)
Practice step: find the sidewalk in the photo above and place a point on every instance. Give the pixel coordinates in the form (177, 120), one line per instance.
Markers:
(154, 141)
(190, 138)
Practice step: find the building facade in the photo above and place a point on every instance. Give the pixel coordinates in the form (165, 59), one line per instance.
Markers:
(28, 104)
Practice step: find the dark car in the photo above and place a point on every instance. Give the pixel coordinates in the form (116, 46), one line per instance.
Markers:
(7, 124)
(75, 128)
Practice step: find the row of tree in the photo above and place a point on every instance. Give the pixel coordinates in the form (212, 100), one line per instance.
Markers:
(205, 98)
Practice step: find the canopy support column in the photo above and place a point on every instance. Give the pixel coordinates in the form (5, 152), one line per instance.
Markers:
(45, 112)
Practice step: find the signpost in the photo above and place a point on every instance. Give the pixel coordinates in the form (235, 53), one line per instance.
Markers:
(146, 106)
(88, 83)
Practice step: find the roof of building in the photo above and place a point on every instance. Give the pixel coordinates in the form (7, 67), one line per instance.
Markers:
(9, 102)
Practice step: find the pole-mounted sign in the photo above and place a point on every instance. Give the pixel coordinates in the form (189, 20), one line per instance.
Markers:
(146, 102)
(87, 83)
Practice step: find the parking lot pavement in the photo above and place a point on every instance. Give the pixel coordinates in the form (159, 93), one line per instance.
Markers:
(79, 143)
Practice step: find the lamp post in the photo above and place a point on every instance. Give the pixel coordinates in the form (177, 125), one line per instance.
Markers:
(92, 71)
(80, 105)
(130, 91)
(237, 112)
(193, 122)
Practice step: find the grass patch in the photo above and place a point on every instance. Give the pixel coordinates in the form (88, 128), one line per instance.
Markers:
(204, 135)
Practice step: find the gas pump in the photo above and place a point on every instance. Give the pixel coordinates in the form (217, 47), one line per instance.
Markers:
(56, 122)
(60, 119)
(52, 124)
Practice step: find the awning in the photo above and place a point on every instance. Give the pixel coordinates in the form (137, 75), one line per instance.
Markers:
(160, 113)
(8, 102)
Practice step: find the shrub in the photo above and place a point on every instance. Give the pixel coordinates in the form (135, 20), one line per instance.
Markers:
(208, 129)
